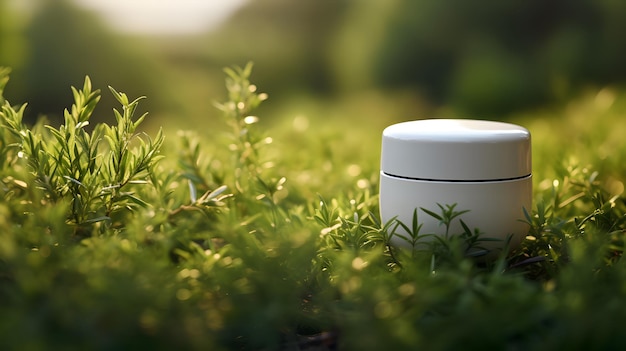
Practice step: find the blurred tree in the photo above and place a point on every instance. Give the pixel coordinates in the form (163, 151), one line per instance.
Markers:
(483, 58)
(611, 43)
(489, 57)
(287, 40)
(12, 46)
(357, 40)
(64, 45)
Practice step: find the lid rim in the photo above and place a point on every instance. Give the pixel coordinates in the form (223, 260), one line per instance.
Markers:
(456, 150)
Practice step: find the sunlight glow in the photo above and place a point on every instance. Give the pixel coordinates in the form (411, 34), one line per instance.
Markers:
(173, 17)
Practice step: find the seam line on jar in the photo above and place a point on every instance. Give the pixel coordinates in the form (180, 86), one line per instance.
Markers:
(458, 180)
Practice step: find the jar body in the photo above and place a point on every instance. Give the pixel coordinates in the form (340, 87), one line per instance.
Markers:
(496, 207)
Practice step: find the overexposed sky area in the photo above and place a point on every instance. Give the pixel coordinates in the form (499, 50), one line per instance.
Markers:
(163, 16)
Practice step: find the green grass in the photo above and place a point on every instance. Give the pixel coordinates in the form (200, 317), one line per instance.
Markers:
(266, 236)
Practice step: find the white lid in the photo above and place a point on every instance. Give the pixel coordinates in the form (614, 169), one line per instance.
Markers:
(456, 149)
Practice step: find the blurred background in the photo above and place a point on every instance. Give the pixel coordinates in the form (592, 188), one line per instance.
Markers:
(381, 61)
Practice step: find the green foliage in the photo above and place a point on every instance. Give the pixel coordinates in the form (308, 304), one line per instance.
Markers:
(72, 166)
(112, 239)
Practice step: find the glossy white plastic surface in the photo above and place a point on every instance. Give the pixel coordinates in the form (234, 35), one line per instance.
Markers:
(496, 208)
(455, 149)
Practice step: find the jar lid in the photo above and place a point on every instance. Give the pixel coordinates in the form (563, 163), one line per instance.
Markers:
(456, 150)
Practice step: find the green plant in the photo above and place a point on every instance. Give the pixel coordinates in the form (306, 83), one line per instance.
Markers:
(72, 166)
(111, 239)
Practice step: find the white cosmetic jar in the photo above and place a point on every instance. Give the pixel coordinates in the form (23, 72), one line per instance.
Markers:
(482, 167)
